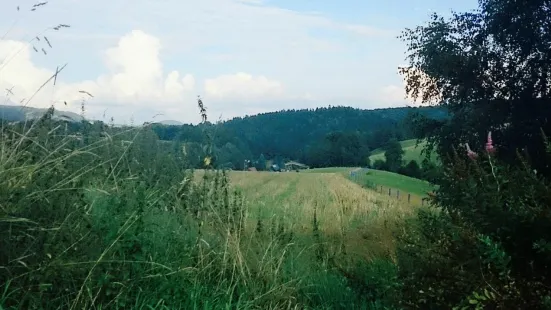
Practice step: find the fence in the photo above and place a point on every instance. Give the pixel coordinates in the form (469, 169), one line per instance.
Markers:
(355, 175)
(401, 195)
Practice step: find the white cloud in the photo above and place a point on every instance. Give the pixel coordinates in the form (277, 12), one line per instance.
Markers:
(395, 96)
(135, 78)
(17, 70)
(136, 75)
(249, 55)
(242, 86)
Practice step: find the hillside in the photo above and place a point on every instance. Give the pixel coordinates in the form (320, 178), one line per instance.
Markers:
(13, 113)
(322, 137)
(381, 181)
(412, 151)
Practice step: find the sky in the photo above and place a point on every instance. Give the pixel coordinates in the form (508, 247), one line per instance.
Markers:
(142, 58)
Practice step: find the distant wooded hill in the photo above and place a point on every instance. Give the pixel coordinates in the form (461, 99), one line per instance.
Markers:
(321, 137)
(14, 113)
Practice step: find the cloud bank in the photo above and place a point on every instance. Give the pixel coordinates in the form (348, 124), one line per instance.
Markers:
(242, 57)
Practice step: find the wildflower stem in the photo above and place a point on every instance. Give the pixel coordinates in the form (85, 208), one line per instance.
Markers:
(493, 171)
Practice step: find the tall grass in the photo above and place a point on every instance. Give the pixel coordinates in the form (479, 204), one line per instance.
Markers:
(97, 217)
(91, 222)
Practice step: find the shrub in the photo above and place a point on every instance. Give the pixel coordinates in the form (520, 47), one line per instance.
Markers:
(486, 240)
(412, 169)
(379, 164)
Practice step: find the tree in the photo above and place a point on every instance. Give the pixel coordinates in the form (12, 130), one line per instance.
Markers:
(430, 171)
(412, 169)
(230, 156)
(278, 160)
(393, 155)
(261, 163)
(379, 164)
(491, 69)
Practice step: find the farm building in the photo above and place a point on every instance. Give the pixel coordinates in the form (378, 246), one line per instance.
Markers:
(293, 165)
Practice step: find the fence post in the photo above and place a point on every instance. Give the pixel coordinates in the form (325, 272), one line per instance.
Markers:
(397, 194)
(409, 198)
(389, 191)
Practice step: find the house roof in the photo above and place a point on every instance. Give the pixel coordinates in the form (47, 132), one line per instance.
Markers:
(294, 163)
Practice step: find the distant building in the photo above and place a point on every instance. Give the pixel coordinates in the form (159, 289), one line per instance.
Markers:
(293, 165)
(246, 164)
(251, 169)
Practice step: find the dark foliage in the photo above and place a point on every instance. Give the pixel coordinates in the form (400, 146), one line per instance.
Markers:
(393, 155)
(412, 169)
(486, 243)
(491, 69)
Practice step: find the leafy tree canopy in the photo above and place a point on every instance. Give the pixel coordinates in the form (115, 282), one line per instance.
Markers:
(492, 69)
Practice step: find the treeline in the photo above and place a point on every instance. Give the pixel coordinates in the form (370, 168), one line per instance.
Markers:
(322, 137)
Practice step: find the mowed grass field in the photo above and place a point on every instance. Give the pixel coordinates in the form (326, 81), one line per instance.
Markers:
(399, 185)
(382, 181)
(411, 152)
(396, 181)
(351, 219)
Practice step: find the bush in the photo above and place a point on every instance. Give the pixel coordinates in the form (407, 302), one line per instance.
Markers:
(379, 164)
(412, 169)
(485, 243)
(430, 171)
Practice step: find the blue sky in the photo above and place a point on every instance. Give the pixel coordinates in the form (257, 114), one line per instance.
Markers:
(140, 58)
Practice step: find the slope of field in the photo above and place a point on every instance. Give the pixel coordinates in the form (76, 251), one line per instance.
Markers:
(411, 152)
(393, 180)
(376, 179)
(353, 220)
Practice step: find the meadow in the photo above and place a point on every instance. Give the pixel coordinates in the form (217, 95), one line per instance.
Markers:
(412, 151)
(345, 212)
(96, 223)
(394, 181)
(382, 181)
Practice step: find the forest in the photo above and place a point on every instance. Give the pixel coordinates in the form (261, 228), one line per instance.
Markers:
(322, 137)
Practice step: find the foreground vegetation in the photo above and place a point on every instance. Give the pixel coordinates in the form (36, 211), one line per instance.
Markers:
(99, 223)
